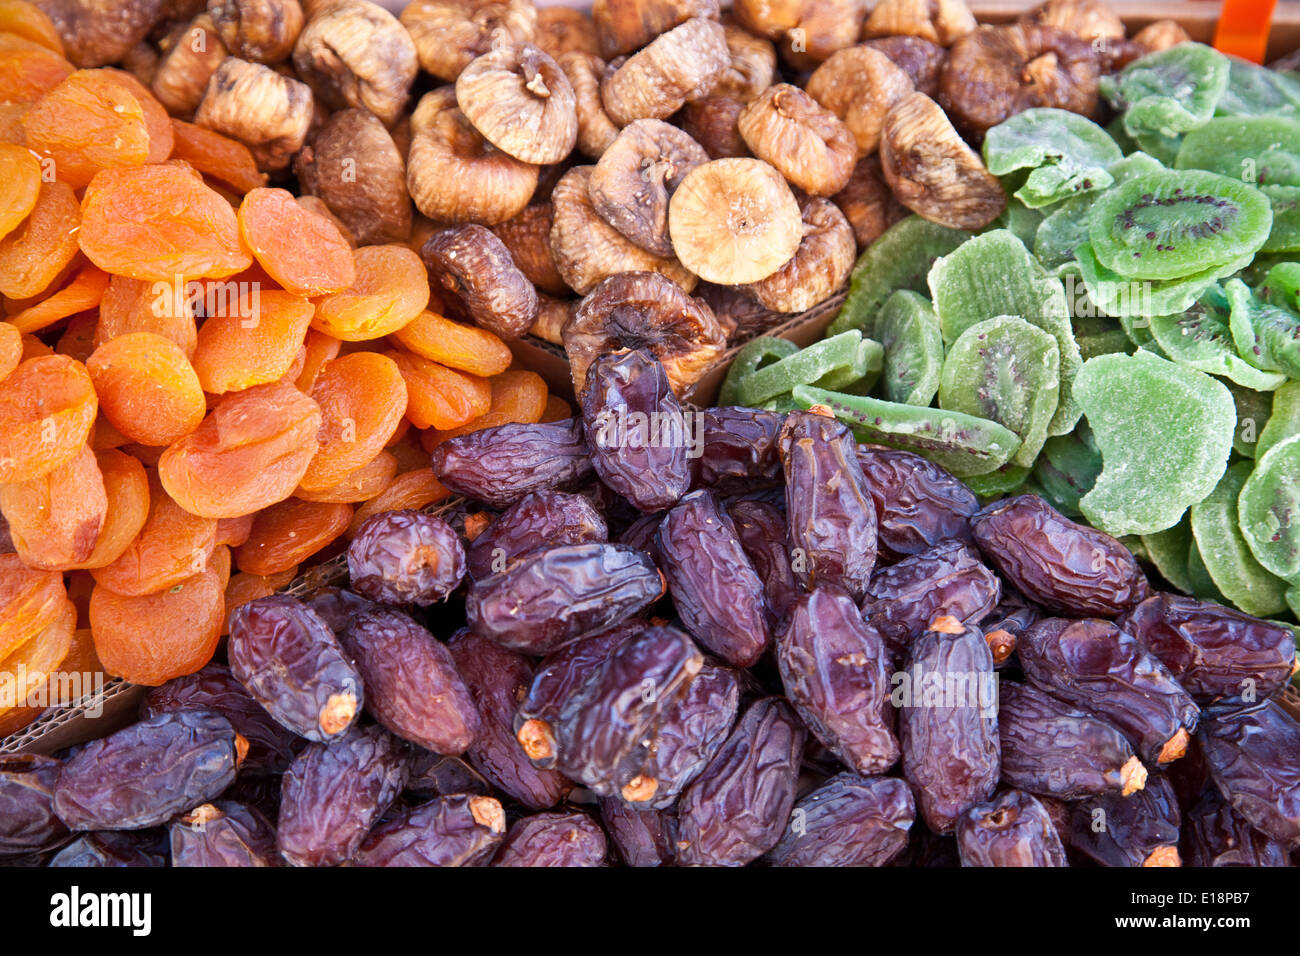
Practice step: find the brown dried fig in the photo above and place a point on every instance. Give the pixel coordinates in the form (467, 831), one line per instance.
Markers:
(922, 60)
(806, 31)
(860, 85)
(263, 31)
(680, 65)
(631, 185)
(820, 266)
(191, 56)
(266, 111)
(807, 143)
(454, 174)
(100, 32)
(448, 34)
(552, 314)
(939, 21)
(528, 237)
(734, 221)
(355, 53)
(868, 203)
(561, 30)
(712, 122)
(354, 166)
(738, 312)
(753, 64)
(625, 26)
(1086, 19)
(931, 169)
(477, 279)
(1161, 35)
(644, 310)
(522, 103)
(595, 129)
(587, 250)
(997, 72)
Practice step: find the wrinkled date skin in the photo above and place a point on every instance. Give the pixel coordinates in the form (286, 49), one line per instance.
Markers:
(636, 429)
(553, 839)
(1214, 651)
(457, 830)
(738, 451)
(144, 774)
(406, 557)
(1007, 623)
(715, 589)
(498, 680)
(848, 821)
(412, 685)
(835, 669)
(737, 809)
(918, 504)
(500, 465)
(543, 519)
(948, 724)
(337, 607)
(1215, 835)
(1064, 566)
(333, 794)
(641, 837)
(27, 820)
(1096, 666)
(1252, 757)
(949, 579)
(291, 663)
(114, 849)
(225, 833)
(1013, 829)
(1138, 830)
(551, 597)
(605, 730)
(1051, 747)
(763, 534)
(831, 517)
(433, 775)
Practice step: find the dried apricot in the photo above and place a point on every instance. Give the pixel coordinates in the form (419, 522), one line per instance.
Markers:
(216, 155)
(557, 409)
(237, 352)
(11, 348)
(11, 123)
(30, 22)
(104, 435)
(147, 388)
(156, 119)
(28, 70)
(287, 534)
(18, 718)
(362, 398)
(359, 485)
(517, 396)
(159, 222)
(132, 305)
(455, 345)
(78, 674)
(319, 349)
(245, 587)
(408, 452)
(234, 531)
(21, 174)
(83, 292)
(391, 288)
(55, 519)
(27, 668)
(415, 489)
(34, 347)
(47, 408)
(250, 452)
(127, 488)
(33, 255)
(300, 250)
(29, 602)
(78, 337)
(439, 397)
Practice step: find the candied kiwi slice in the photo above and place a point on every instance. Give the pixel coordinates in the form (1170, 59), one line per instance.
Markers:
(1065, 154)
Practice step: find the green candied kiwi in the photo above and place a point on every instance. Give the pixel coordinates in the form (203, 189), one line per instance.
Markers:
(994, 274)
(963, 444)
(1006, 371)
(1254, 410)
(1281, 286)
(1269, 509)
(899, 259)
(1005, 480)
(1253, 149)
(1293, 602)
(1266, 336)
(1127, 298)
(1203, 585)
(781, 404)
(756, 354)
(1228, 558)
(1201, 338)
(1162, 148)
(1138, 330)
(833, 363)
(909, 332)
(1062, 232)
(1169, 92)
(1256, 91)
(1168, 551)
(1177, 223)
(1100, 335)
(1283, 420)
(1165, 434)
(1284, 236)
(1066, 154)
(1067, 468)
(1021, 221)
(1134, 165)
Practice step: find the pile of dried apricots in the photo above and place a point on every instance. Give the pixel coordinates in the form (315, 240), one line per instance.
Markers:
(203, 384)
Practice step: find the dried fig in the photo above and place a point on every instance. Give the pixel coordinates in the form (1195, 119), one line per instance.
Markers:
(712, 122)
(753, 64)
(455, 175)
(263, 31)
(1087, 19)
(100, 32)
(562, 30)
(448, 34)
(922, 60)
(1161, 35)
(625, 26)
(354, 166)
(631, 185)
(355, 53)
(868, 203)
(266, 111)
(860, 85)
(807, 31)
(932, 171)
(552, 314)
(807, 143)
(820, 266)
(586, 249)
(734, 221)
(480, 280)
(680, 65)
(522, 103)
(939, 21)
(595, 129)
(739, 313)
(644, 310)
(186, 66)
(528, 238)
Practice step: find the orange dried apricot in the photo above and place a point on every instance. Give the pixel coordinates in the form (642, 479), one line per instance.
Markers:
(156, 119)
(11, 349)
(215, 155)
(78, 337)
(28, 70)
(319, 349)
(287, 534)
(159, 222)
(408, 451)
(21, 174)
(11, 123)
(301, 251)
(455, 345)
(83, 292)
(27, 668)
(47, 408)
(55, 519)
(439, 397)
(234, 531)
(29, 602)
(127, 488)
(359, 485)
(33, 255)
(104, 435)
(362, 398)
(132, 305)
(314, 204)
(147, 388)
(250, 452)
(391, 288)
(34, 347)
(414, 489)
(78, 674)
(244, 587)
(31, 23)
(557, 409)
(517, 396)
(236, 352)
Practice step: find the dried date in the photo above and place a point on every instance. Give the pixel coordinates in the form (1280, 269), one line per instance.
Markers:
(500, 465)
(1252, 757)
(737, 451)
(1140, 830)
(919, 504)
(542, 519)
(1013, 829)
(553, 839)
(113, 849)
(1215, 835)
(225, 833)
(456, 830)
(406, 557)
(848, 821)
(28, 823)
(763, 534)
(641, 837)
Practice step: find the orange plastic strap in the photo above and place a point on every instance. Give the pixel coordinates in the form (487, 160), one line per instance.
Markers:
(1243, 28)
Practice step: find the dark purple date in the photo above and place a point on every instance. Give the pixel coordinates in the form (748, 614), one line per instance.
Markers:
(456, 830)
(551, 840)
(1012, 829)
(918, 504)
(542, 519)
(848, 821)
(500, 465)
(225, 834)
